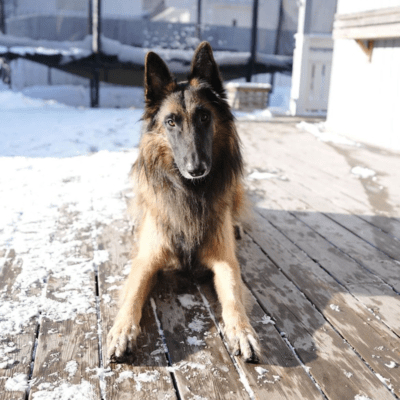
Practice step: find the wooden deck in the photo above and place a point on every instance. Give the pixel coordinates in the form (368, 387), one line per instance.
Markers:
(321, 259)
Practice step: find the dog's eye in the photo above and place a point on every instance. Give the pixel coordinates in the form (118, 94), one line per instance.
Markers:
(170, 122)
(204, 117)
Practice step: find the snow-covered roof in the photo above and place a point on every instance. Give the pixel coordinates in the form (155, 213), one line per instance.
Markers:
(177, 59)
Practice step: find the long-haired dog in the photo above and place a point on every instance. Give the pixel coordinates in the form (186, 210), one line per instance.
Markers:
(189, 197)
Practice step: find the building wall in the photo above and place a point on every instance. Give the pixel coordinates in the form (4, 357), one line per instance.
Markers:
(352, 6)
(364, 97)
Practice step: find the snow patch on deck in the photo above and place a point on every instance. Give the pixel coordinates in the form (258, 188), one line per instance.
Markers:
(363, 172)
(17, 383)
(66, 391)
(188, 301)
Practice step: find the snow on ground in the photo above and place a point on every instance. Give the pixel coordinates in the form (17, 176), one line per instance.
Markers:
(319, 131)
(257, 115)
(66, 391)
(363, 172)
(63, 170)
(126, 53)
(36, 128)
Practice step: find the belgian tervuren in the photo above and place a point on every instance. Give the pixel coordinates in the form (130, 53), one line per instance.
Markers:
(189, 197)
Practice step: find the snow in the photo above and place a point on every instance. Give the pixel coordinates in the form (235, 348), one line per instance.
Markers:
(361, 397)
(196, 325)
(17, 383)
(106, 298)
(265, 320)
(66, 168)
(147, 376)
(323, 135)
(248, 85)
(113, 287)
(143, 377)
(257, 175)
(66, 391)
(348, 374)
(7, 363)
(125, 53)
(194, 341)
(334, 307)
(261, 371)
(188, 301)
(37, 128)
(385, 381)
(256, 115)
(71, 368)
(185, 365)
(363, 172)
(124, 375)
(392, 364)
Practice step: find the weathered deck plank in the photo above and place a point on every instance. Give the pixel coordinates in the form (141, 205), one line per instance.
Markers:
(67, 355)
(320, 262)
(324, 168)
(370, 288)
(369, 228)
(387, 225)
(366, 287)
(144, 375)
(365, 254)
(201, 363)
(373, 235)
(16, 350)
(279, 374)
(372, 339)
(318, 345)
(280, 153)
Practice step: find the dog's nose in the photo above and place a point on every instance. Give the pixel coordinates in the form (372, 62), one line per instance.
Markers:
(198, 170)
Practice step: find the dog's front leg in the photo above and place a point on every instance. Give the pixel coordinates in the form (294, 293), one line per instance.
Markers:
(220, 257)
(148, 262)
(241, 335)
(126, 328)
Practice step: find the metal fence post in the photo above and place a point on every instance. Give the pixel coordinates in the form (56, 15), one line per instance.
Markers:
(96, 49)
(252, 59)
(198, 25)
(2, 17)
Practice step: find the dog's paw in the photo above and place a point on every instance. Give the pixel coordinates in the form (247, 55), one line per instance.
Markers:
(244, 341)
(121, 338)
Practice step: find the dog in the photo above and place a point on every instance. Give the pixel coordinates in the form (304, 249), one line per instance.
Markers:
(189, 197)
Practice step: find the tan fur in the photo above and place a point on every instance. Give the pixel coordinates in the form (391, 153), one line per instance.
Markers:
(161, 215)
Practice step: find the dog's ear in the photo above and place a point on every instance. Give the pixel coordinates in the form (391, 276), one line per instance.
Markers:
(205, 68)
(156, 78)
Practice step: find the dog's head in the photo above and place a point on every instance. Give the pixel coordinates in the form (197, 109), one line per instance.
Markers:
(185, 113)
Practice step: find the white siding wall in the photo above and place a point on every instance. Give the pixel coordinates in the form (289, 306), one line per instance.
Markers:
(364, 100)
(352, 6)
